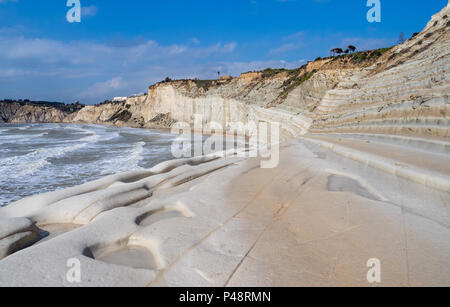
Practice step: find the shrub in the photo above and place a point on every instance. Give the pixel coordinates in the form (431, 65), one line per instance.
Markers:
(295, 81)
(204, 84)
(269, 72)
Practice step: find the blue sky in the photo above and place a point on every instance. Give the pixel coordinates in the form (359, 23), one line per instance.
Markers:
(121, 47)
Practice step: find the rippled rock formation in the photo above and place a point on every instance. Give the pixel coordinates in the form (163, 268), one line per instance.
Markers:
(400, 90)
(364, 175)
(407, 93)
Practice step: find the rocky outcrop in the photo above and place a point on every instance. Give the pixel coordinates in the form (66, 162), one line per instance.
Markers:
(16, 234)
(107, 113)
(354, 187)
(28, 112)
(289, 97)
(405, 94)
(402, 90)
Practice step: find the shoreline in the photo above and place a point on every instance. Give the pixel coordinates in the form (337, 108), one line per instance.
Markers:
(365, 192)
(91, 124)
(276, 227)
(167, 130)
(226, 137)
(46, 149)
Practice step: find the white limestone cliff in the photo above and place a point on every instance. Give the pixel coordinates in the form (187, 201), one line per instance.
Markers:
(364, 173)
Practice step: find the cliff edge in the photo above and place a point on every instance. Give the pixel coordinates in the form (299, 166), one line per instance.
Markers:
(399, 90)
(363, 182)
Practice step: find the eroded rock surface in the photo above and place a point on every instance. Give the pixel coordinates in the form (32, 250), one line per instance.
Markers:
(364, 174)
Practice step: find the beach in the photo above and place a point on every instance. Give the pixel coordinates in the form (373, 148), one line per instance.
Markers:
(315, 220)
(343, 179)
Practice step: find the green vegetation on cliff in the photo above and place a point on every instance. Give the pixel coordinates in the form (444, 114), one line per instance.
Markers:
(205, 84)
(297, 76)
(363, 56)
(295, 80)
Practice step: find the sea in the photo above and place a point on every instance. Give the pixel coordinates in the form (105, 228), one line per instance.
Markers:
(39, 158)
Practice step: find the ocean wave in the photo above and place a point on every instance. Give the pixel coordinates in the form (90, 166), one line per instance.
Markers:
(58, 156)
(21, 137)
(26, 165)
(136, 155)
(22, 128)
(127, 161)
(110, 136)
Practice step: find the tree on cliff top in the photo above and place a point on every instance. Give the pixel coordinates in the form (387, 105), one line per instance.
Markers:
(336, 51)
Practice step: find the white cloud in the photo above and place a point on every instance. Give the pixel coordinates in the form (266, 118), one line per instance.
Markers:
(45, 51)
(92, 71)
(80, 68)
(103, 88)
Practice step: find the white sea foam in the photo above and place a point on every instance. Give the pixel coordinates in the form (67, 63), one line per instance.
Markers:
(50, 157)
(110, 136)
(24, 128)
(127, 161)
(136, 155)
(20, 166)
(26, 165)
(22, 137)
